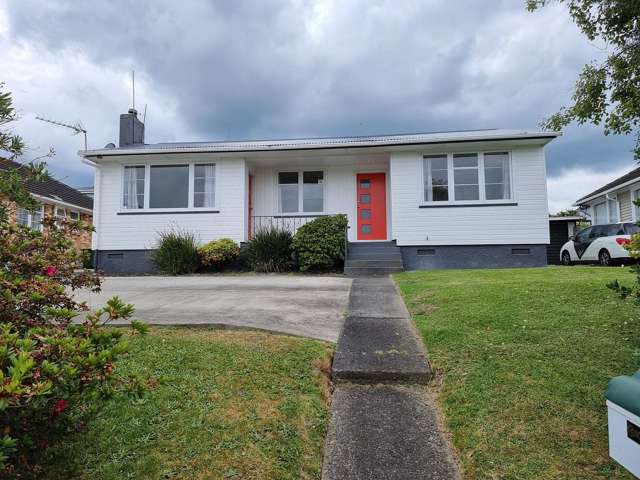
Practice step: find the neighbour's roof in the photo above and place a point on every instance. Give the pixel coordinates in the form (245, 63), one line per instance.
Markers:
(50, 188)
(627, 177)
(325, 142)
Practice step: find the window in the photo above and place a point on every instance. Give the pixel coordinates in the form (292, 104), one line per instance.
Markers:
(312, 192)
(606, 212)
(465, 176)
(582, 235)
(133, 187)
(436, 179)
(30, 219)
(73, 215)
(613, 210)
(61, 214)
(204, 181)
(497, 176)
(600, 213)
(301, 192)
(288, 188)
(169, 186)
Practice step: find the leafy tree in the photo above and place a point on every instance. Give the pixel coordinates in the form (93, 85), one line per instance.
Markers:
(607, 93)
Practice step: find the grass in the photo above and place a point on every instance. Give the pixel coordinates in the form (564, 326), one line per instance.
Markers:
(233, 405)
(523, 358)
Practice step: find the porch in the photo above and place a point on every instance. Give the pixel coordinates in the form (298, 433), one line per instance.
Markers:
(292, 190)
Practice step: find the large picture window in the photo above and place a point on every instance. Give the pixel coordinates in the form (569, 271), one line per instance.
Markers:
(169, 186)
(301, 191)
(467, 177)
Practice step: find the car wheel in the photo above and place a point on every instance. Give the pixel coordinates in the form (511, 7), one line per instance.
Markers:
(566, 258)
(604, 257)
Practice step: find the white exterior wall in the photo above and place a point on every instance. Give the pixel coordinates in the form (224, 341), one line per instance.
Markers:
(140, 231)
(339, 193)
(524, 223)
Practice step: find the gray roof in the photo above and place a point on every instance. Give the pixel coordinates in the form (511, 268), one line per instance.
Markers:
(50, 187)
(326, 142)
(627, 177)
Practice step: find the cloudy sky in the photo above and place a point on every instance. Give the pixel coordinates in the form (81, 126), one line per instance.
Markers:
(220, 70)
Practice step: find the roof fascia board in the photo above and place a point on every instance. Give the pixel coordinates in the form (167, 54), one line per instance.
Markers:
(584, 200)
(537, 139)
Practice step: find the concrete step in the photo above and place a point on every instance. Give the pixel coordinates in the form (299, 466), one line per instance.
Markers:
(373, 248)
(375, 349)
(385, 432)
(373, 262)
(364, 271)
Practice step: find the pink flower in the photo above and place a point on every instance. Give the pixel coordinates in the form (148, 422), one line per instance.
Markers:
(50, 271)
(59, 407)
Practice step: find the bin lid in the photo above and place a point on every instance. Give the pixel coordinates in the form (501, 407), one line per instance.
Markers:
(625, 392)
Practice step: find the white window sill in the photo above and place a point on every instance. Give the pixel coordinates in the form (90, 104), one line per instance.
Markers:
(166, 211)
(501, 203)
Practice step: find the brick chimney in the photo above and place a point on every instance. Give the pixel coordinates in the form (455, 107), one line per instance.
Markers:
(131, 129)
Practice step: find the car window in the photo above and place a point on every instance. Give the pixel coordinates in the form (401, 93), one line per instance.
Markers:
(615, 229)
(597, 232)
(631, 228)
(582, 235)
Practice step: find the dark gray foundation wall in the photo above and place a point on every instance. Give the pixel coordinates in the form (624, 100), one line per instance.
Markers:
(124, 261)
(473, 256)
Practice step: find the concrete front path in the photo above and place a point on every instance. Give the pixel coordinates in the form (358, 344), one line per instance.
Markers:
(384, 423)
(308, 306)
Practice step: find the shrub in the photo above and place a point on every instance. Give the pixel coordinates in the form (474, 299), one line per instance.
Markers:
(176, 252)
(49, 366)
(269, 251)
(219, 253)
(319, 244)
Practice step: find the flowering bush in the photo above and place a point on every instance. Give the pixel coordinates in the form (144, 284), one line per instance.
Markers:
(218, 253)
(49, 364)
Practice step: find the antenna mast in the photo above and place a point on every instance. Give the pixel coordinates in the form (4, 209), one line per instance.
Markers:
(133, 89)
(77, 128)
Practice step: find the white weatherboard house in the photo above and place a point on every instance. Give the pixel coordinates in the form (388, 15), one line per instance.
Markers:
(449, 199)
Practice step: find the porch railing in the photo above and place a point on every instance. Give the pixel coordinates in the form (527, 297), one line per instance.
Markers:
(281, 222)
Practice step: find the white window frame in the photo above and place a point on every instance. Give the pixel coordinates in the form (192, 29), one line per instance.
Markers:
(605, 201)
(300, 173)
(191, 189)
(30, 218)
(451, 184)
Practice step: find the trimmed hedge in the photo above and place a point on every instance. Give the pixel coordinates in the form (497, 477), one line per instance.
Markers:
(319, 244)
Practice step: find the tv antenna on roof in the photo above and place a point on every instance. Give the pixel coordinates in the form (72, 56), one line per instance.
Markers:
(77, 128)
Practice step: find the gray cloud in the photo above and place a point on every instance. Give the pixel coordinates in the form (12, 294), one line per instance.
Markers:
(251, 69)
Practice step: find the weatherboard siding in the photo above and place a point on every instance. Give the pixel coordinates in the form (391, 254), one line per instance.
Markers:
(524, 223)
(140, 231)
(624, 200)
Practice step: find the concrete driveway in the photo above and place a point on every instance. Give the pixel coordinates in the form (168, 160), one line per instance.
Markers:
(308, 306)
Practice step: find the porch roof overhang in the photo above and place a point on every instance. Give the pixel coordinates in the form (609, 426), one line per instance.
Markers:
(332, 146)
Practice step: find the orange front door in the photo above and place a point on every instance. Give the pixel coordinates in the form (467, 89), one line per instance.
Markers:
(372, 206)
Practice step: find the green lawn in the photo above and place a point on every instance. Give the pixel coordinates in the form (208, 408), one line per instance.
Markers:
(523, 358)
(234, 405)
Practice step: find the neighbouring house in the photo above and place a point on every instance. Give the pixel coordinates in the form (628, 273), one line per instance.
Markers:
(613, 202)
(429, 200)
(55, 199)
